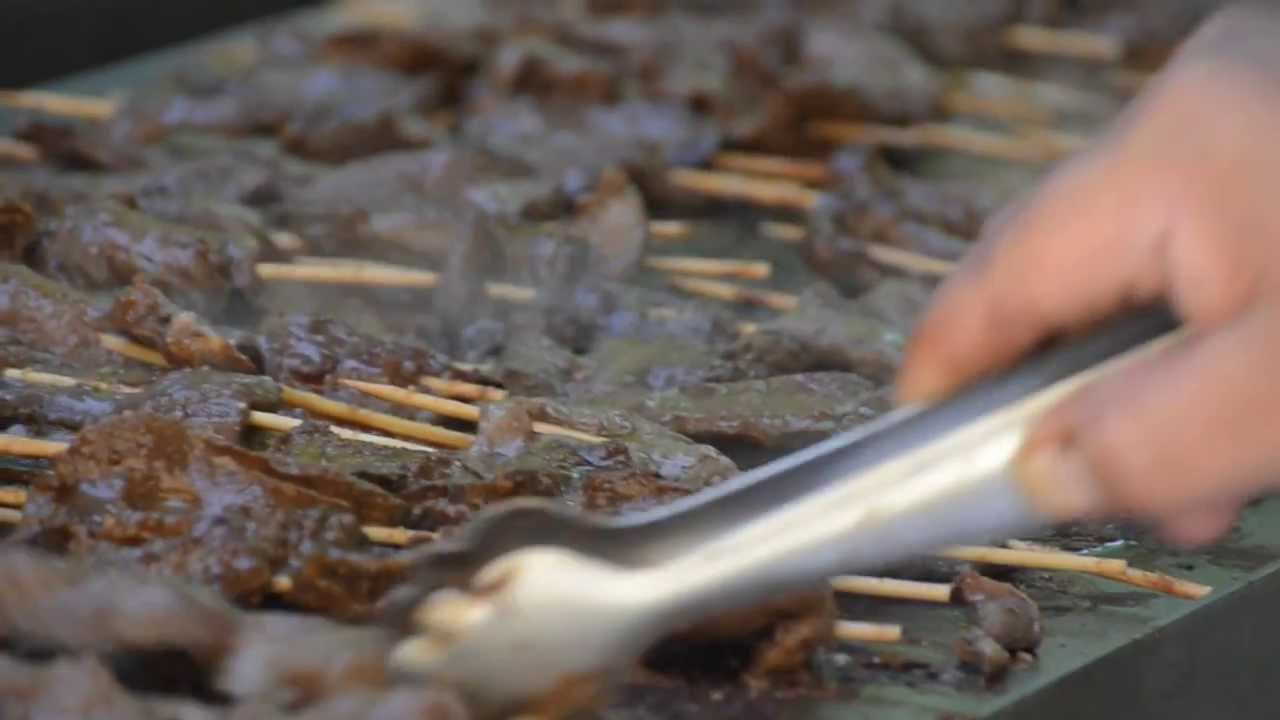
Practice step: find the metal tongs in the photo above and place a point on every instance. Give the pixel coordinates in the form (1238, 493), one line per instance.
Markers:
(534, 600)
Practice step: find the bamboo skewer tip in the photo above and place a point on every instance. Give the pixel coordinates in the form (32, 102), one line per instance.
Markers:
(669, 229)
(84, 107)
(132, 350)
(852, 631)
(940, 593)
(461, 389)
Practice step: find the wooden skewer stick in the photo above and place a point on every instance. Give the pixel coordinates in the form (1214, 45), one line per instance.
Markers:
(272, 421)
(83, 107)
(1064, 142)
(284, 423)
(132, 350)
(938, 136)
(1159, 582)
(669, 229)
(743, 188)
(710, 267)
(851, 631)
(1007, 108)
(361, 416)
(13, 496)
(891, 588)
(453, 408)
(36, 377)
(15, 150)
(378, 14)
(349, 434)
(370, 273)
(462, 389)
(345, 271)
(786, 232)
(808, 172)
(887, 255)
(1066, 43)
(510, 293)
(354, 271)
(728, 292)
(337, 261)
(908, 260)
(397, 536)
(30, 447)
(1035, 559)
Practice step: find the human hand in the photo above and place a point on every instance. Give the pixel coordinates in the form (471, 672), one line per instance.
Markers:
(1180, 201)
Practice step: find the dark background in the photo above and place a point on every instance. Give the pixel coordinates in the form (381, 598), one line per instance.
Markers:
(44, 39)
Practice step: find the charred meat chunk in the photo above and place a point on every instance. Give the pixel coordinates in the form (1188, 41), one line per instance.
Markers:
(324, 112)
(70, 605)
(45, 315)
(779, 411)
(406, 201)
(638, 467)
(312, 350)
(17, 228)
(826, 333)
(1001, 611)
(980, 652)
(538, 66)
(144, 314)
(211, 402)
(763, 646)
(104, 625)
(206, 401)
(141, 488)
(106, 245)
(46, 409)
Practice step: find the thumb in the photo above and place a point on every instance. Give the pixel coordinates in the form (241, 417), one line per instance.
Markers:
(1190, 428)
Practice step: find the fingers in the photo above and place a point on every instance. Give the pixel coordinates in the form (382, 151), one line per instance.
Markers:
(1078, 250)
(1191, 428)
(1199, 527)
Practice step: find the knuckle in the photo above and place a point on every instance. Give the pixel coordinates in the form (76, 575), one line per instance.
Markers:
(1124, 469)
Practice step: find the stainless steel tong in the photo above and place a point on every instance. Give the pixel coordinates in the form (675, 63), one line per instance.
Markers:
(534, 599)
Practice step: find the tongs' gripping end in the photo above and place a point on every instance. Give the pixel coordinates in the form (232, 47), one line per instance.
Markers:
(492, 533)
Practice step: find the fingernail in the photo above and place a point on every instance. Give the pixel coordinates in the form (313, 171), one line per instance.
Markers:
(1059, 483)
(917, 390)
